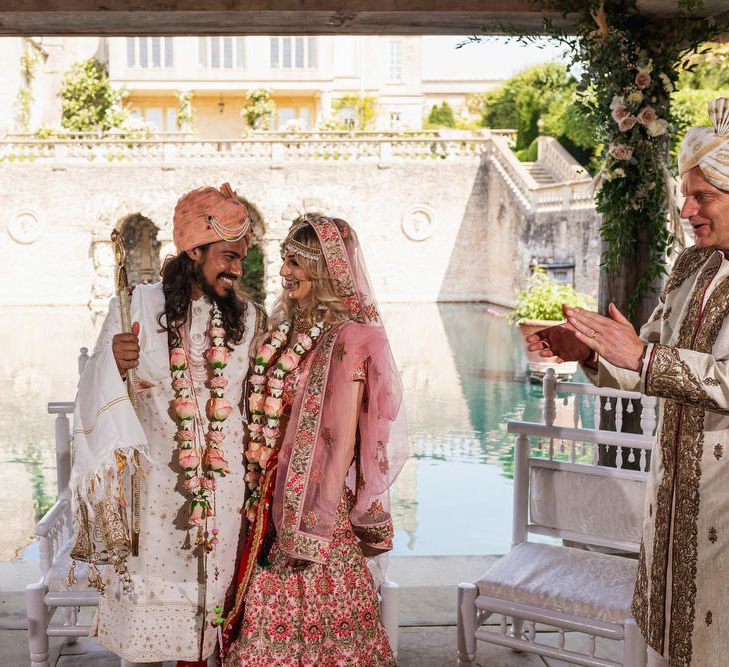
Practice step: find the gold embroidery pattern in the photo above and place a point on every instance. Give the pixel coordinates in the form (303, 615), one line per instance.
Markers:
(709, 618)
(687, 263)
(713, 537)
(340, 351)
(718, 451)
(292, 540)
(671, 378)
(639, 607)
(657, 315)
(711, 382)
(667, 313)
(327, 437)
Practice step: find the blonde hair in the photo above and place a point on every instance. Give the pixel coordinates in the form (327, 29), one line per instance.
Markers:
(325, 298)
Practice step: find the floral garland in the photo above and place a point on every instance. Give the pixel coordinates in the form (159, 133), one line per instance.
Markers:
(265, 401)
(201, 467)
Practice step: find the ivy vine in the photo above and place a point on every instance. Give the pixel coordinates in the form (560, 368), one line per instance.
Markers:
(28, 62)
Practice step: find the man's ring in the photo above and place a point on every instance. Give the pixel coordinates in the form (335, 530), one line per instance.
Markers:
(594, 333)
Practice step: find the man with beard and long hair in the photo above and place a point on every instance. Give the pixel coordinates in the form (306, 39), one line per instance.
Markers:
(158, 492)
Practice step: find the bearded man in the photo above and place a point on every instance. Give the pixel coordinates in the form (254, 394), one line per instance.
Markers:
(159, 491)
(681, 356)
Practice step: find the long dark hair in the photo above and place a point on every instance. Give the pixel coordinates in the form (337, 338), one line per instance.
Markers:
(178, 275)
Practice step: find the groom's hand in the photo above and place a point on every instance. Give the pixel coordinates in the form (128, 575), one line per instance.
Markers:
(125, 347)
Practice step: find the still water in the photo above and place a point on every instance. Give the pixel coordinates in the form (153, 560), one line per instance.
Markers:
(463, 370)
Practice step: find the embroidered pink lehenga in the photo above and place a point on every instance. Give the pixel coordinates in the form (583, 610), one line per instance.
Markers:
(311, 599)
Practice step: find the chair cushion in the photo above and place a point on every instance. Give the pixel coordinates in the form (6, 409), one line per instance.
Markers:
(573, 581)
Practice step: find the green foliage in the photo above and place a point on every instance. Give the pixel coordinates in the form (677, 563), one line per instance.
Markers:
(629, 67)
(363, 109)
(88, 100)
(184, 109)
(542, 299)
(690, 107)
(28, 62)
(252, 279)
(708, 68)
(259, 109)
(441, 116)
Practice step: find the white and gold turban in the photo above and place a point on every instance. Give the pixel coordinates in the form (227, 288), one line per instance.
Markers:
(708, 148)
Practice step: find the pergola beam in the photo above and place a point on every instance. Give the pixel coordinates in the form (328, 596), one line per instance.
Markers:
(272, 17)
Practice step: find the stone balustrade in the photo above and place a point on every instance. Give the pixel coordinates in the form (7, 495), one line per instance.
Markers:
(573, 188)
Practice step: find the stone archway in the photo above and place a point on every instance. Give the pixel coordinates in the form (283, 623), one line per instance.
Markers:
(143, 248)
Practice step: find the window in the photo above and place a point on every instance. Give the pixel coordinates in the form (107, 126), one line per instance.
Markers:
(293, 52)
(150, 52)
(221, 52)
(394, 120)
(396, 61)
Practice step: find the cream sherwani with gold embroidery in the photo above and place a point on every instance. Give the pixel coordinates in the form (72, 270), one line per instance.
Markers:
(168, 614)
(681, 600)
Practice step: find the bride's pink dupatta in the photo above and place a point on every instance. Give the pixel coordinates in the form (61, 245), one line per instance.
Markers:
(314, 461)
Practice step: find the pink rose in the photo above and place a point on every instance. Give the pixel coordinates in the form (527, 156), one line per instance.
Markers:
(254, 428)
(617, 101)
(188, 459)
(252, 454)
(193, 483)
(219, 409)
(197, 516)
(185, 434)
(218, 356)
(218, 382)
(275, 383)
(288, 361)
(217, 332)
(257, 380)
(215, 461)
(265, 354)
(252, 477)
(215, 436)
(208, 483)
(270, 432)
(621, 151)
(273, 407)
(304, 340)
(627, 123)
(180, 383)
(178, 359)
(618, 113)
(184, 408)
(642, 79)
(280, 336)
(255, 403)
(646, 116)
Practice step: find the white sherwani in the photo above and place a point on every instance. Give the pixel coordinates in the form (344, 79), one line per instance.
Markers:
(176, 584)
(681, 603)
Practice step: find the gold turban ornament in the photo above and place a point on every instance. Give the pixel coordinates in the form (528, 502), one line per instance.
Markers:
(207, 215)
(708, 148)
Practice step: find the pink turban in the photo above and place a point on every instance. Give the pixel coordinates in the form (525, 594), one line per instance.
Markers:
(207, 215)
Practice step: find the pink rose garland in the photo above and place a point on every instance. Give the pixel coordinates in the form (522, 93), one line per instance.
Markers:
(266, 404)
(200, 467)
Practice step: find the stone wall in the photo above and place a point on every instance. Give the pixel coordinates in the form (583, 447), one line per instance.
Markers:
(431, 230)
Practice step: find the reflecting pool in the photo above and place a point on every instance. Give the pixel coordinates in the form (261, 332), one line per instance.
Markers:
(463, 368)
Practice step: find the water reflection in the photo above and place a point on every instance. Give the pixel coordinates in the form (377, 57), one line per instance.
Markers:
(464, 376)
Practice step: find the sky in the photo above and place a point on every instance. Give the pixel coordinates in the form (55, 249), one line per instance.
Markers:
(493, 58)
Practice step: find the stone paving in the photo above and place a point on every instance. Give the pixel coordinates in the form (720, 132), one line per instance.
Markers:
(427, 616)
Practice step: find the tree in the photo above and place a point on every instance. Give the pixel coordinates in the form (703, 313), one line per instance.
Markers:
(362, 109)
(88, 101)
(259, 109)
(441, 116)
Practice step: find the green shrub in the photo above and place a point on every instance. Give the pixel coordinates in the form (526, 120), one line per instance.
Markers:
(542, 299)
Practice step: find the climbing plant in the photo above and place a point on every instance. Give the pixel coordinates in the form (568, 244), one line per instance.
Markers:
(629, 64)
(28, 62)
(258, 109)
(184, 110)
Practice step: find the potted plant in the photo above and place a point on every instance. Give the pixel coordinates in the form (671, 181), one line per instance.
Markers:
(539, 305)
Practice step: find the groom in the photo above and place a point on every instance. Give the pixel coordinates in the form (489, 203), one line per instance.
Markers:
(189, 347)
